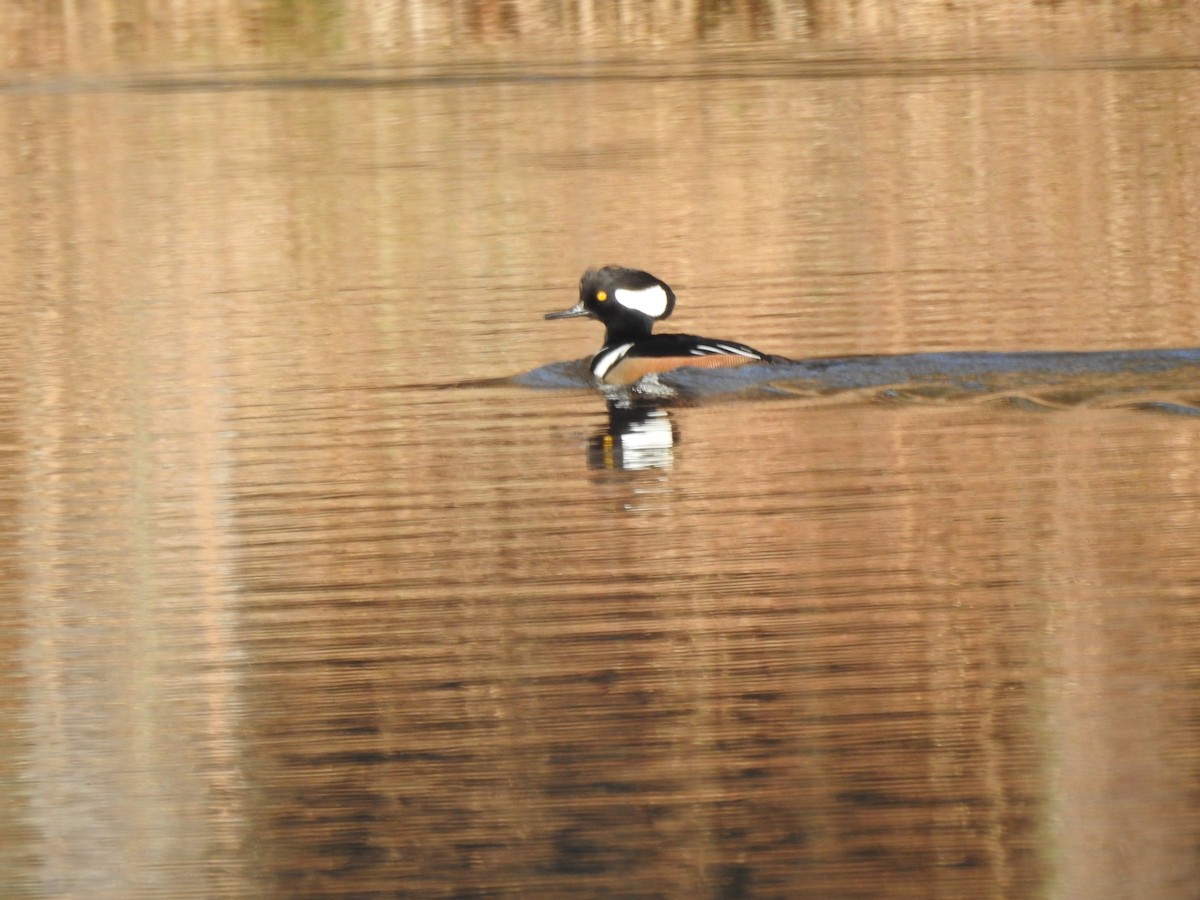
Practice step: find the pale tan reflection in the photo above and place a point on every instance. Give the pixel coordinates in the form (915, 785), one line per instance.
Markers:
(1121, 713)
(130, 669)
(1122, 763)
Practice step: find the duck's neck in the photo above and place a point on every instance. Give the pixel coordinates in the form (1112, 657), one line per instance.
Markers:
(627, 332)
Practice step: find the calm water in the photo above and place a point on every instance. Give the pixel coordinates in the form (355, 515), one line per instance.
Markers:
(303, 597)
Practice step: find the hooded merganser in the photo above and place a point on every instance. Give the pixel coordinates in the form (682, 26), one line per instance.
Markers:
(629, 302)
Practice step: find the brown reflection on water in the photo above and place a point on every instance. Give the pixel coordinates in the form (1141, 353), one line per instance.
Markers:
(679, 687)
(1029, 210)
(114, 37)
(283, 619)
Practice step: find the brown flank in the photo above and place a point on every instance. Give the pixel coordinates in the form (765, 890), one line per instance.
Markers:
(629, 370)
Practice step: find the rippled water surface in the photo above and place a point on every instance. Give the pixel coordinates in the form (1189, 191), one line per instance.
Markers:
(326, 574)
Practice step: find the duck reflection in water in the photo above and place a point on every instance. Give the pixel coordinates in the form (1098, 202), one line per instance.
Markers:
(640, 435)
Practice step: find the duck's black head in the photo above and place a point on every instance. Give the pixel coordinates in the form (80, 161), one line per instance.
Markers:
(627, 301)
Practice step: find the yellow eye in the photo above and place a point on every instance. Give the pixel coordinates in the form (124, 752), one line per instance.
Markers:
(601, 296)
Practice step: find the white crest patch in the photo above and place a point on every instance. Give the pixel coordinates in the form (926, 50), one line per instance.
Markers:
(609, 358)
(651, 301)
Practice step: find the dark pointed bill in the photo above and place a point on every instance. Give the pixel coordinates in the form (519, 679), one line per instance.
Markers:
(577, 310)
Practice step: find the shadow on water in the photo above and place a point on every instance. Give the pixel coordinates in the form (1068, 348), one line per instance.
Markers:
(641, 435)
(1166, 380)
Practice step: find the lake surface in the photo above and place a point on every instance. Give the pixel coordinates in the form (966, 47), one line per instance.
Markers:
(326, 574)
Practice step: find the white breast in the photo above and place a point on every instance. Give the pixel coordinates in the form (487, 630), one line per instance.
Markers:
(609, 358)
